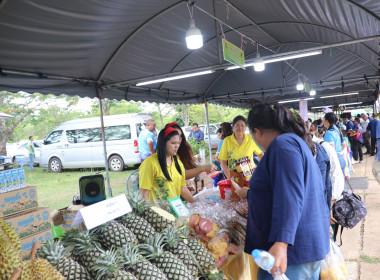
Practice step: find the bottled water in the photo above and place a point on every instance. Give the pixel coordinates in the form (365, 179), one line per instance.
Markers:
(266, 261)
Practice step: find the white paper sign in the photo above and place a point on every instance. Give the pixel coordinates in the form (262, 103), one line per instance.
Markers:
(103, 211)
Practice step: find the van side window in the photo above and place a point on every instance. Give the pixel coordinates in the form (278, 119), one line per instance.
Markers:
(120, 132)
(54, 137)
(79, 135)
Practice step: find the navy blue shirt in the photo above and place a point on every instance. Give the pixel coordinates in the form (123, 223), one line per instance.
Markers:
(287, 202)
(349, 126)
(372, 127)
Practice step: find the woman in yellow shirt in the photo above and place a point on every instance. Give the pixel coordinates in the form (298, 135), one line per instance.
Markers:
(162, 175)
(237, 147)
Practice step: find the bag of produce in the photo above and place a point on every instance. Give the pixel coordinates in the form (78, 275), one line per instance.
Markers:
(333, 266)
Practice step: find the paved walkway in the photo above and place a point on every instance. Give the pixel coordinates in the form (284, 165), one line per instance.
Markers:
(361, 245)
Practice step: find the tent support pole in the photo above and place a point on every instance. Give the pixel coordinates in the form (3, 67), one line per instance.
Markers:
(104, 141)
(208, 131)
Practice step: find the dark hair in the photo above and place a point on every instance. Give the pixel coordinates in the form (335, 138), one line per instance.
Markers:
(358, 115)
(226, 130)
(219, 130)
(332, 119)
(278, 117)
(309, 119)
(239, 118)
(185, 152)
(195, 124)
(30, 137)
(161, 152)
(357, 119)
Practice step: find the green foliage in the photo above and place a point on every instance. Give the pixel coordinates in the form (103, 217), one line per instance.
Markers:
(196, 146)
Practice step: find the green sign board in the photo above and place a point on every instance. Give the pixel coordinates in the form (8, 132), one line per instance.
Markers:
(307, 87)
(233, 54)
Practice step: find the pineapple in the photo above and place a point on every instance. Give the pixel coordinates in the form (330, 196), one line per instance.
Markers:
(10, 258)
(157, 217)
(205, 260)
(138, 225)
(11, 234)
(173, 243)
(38, 268)
(173, 268)
(109, 267)
(138, 266)
(113, 234)
(85, 249)
(56, 254)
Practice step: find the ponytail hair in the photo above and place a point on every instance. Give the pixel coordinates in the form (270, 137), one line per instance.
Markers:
(161, 151)
(278, 117)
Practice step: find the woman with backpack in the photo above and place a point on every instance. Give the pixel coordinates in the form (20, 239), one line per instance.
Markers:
(357, 142)
(288, 212)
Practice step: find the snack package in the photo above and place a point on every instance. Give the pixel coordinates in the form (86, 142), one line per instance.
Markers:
(218, 246)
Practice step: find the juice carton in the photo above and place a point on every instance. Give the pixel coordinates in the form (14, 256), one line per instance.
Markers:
(21, 175)
(15, 178)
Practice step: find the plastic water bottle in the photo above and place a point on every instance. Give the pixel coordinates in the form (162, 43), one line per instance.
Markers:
(266, 261)
(263, 259)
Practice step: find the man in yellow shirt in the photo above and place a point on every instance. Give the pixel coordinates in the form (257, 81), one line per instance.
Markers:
(237, 146)
(162, 175)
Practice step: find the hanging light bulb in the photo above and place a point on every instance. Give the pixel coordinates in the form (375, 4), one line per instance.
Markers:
(313, 92)
(300, 85)
(258, 63)
(194, 38)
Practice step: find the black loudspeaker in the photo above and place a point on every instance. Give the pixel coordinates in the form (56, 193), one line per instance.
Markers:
(91, 189)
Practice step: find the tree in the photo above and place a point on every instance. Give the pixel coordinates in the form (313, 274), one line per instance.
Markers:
(163, 115)
(115, 107)
(11, 103)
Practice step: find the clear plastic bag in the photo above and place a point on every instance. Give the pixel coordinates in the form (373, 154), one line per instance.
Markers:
(333, 267)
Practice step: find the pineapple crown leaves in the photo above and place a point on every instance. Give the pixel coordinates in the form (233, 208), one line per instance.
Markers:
(81, 242)
(171, 237)
(138, 204)
(53, 251)
(129, 254)
(107, 265)
(153, 247)
(216, 274)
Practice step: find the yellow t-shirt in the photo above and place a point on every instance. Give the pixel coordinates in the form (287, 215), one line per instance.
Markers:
(231, 151)
(153, 179)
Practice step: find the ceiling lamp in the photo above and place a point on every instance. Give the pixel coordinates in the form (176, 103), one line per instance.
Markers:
(313, 92)
(337, 95)
(258, 63)
(171, 78)
(300, 85)
(194, 38)
(293, 100)
(290, 55)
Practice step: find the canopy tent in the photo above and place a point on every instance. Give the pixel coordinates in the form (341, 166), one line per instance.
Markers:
(73, 47)
(103, 49)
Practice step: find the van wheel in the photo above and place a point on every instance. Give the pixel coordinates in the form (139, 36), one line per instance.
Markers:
(55, 165)
(116, 163)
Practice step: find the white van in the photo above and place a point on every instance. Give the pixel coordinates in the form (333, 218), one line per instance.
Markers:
(78, 143)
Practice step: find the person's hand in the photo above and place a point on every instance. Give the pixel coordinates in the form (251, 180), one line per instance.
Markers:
(242, 192)
(279, 251)
(209, 168)
(331, 232)
(332, 220)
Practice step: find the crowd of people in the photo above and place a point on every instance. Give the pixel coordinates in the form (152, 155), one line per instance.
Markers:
(300, 173)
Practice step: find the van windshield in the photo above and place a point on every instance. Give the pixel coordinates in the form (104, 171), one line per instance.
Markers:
(54, 137)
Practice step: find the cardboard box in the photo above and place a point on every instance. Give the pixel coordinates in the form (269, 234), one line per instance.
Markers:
(30, 222)
(27, 242)
(19, 200)
(65, 217)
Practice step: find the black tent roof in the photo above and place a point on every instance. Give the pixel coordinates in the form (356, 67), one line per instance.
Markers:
(73, 46)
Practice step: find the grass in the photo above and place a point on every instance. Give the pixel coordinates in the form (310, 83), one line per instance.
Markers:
(56, 190)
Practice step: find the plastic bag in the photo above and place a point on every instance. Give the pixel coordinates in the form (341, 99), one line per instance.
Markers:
(218, 247)
(333, 266)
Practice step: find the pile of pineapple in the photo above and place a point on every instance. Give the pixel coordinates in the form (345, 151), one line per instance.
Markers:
(143, 244)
